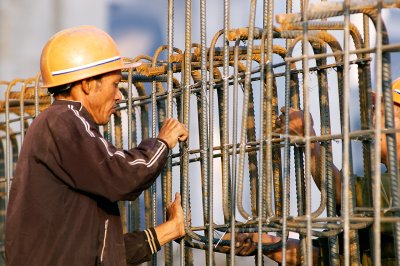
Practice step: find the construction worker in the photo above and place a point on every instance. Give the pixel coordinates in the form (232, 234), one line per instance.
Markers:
(63, 200)
(296, 127)
(247, 242)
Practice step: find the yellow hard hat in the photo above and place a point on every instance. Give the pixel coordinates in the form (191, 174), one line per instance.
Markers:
(395, 92)
(78, 53)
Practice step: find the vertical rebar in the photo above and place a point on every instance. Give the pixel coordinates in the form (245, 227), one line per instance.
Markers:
(225, 134)
(266, 126)
(307, 125)
(129, 127)
(261, 175)
(37, 88)
(346, 140)
(234, 149)
(9, 163)
(242, 146)
(167, 182)
(377, 154)
(186, 113)
(203, 148)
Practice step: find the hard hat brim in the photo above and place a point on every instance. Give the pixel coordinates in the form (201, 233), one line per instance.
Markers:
(131, 65)
(125, 66)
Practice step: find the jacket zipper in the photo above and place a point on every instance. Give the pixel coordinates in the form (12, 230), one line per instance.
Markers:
(104, 241)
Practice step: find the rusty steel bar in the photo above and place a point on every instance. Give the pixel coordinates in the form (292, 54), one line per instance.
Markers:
(376, 170)
(185, 113)
(225, 115)
(241, 209)
(267, 106)
(307, 132)
(346, 209)
(153, 188)
(204, 128)
(228, 179)
(211, 116)
(37, 88)
(167, 182)
(234, 148)
(129, 207)
(8, 166)
(21, 107)
(333, 9)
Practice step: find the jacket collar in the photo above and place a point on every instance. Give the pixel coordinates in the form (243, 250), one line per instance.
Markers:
(76, 105)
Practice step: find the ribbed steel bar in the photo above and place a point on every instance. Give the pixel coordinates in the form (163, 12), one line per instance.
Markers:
(203, 137)
(211, 114)
(129, 128)
(204, 122)
(243, 132)
(9, 163)
(167, 182)
(286, 165)
(225, 111)
(385, 78)
(169, 54)
(21, 107)
(251, 136)
(331, 201)
(3, 173)
(376, 169)
(227, 179)
(234, 148)
(262, 164)
(307, 125)
(267, 108)
(186, 113)
(333, 9)
(345, 210)
(326, 130)
(2, 197)
(154, 108)
(144, 120)
(37, 89)
(364, 81)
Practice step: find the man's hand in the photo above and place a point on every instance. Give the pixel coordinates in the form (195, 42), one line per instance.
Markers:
(296, 122)
(175, 215)
(244, 245)
(173, 131)
(174, 227)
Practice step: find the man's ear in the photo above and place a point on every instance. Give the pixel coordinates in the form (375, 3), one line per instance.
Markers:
(88, 85)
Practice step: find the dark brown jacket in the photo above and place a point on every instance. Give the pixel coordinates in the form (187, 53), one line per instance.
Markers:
(63, 201)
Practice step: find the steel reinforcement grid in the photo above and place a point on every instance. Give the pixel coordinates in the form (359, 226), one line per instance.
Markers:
(242, 170)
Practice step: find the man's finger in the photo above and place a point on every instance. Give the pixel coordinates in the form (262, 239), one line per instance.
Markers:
(178, 197)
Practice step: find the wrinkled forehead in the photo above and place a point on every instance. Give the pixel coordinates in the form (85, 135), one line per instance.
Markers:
(114, 76)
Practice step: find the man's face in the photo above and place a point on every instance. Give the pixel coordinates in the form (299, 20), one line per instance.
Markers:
(384, 153)
(104, 96)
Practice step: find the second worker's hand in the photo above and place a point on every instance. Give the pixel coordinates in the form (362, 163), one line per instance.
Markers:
(296, 122)
(173, 131)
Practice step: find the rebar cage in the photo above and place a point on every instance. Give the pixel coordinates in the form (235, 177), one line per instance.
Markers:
(237, 172)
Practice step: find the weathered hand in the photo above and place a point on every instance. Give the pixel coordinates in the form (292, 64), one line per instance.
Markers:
(244, 245)
(173, 131)
(296, 122)
(175, 215)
